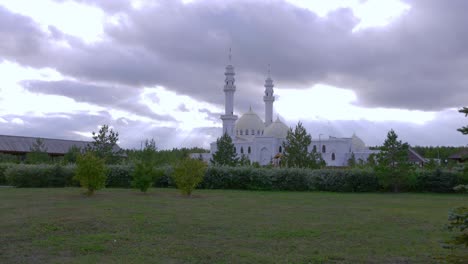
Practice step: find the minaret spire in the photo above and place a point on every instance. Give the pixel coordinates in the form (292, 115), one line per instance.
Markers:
(229, 119)
(269, 98)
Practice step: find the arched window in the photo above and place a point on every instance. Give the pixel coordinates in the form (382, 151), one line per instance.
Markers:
(333, 156)
(249, 150)
(280, 149)
(258, 132)
(241, 133)
(314, 149)
(242, 150)
(253, 132)
(324, 149)
(246, 132)
(262, 132)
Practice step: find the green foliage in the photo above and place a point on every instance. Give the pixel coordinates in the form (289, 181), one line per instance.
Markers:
(119, 176)
(188, 174)
(90, 172)
(393, 166)
(295, 149)
(352, 160)
(244, 160)
(38, 153)
(226, 154)
(3, 168)
(464, 130)
(437, 180)
(9, 158)
(104, 145)
(72, 155)
(458, 222)
(431, 164)
(145, 172)
(42, 175)
(290, 179)
(438, 152)
(163, 157)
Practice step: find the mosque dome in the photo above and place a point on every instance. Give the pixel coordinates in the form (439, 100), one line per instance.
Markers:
(276, 129)
(249, 124)
(357, 143)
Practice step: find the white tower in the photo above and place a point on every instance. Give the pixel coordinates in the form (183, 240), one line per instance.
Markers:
(268, 99)
(229, 119)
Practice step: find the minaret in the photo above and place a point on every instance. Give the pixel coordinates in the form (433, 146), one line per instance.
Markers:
(229, 119)
(268, 99)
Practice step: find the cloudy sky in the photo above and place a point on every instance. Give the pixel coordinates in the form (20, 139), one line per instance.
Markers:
(155, 69)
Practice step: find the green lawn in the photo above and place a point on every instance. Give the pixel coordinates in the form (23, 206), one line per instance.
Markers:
(220, 226)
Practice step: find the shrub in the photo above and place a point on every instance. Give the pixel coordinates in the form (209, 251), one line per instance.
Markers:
(145, 175)
(43, 175)
(3, 168)
(90, 172)
(188, 174)
(119, 176)
(437, 180)
(8, 158)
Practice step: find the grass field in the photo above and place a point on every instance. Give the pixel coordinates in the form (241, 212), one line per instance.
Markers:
(220, 226)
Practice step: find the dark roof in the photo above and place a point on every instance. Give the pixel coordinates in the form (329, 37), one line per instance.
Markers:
(463, 154)
(413, 156)
(19, 144)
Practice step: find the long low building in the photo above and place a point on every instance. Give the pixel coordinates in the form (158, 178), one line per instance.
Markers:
(20, 146)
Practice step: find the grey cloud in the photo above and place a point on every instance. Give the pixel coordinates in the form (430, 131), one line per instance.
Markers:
(418, 62)
(123, 98)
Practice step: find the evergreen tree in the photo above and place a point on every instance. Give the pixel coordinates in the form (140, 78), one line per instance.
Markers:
(295, 149)
(464, 130)
(145, 173)
(104, 143)
(72, 154)
(393, 165)
(226, 154)
(352, 160)
(38, 153)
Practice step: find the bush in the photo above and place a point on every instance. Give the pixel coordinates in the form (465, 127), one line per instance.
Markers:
(145, 175)
(90, 172)
(188, 174)
(437, 180)
(8, 158)
(3, 168)
(119, 176)
(290, 179)
(23, 175)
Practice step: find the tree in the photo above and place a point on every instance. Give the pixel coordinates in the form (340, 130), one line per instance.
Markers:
(90, 172)
(352, 160)
(72, 154)
(244, 160)
(464, 130)
(104, 143)
(188, 174)
(38, 153)
(295, 149)
(392, 161)
(226, 154)
(145, 172)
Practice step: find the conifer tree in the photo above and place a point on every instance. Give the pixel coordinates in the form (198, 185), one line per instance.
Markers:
(104, 142)
(226, 154)
(464, 130)
(38, 153)
(296, 152)
(393, 165)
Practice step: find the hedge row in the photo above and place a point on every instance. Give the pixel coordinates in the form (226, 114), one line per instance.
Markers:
(249, 178)
(246, 178)
(45, 175)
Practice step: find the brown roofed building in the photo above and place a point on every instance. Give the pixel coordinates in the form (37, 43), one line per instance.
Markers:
(20, 146)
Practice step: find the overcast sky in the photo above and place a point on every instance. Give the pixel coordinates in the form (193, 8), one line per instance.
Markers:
(155, 69)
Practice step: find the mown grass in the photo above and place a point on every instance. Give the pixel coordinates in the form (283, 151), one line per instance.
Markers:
(221, 226)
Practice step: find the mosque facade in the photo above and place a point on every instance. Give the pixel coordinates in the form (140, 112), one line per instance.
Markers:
(262, 140)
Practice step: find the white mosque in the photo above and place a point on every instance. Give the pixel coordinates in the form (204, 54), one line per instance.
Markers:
(261, 141)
